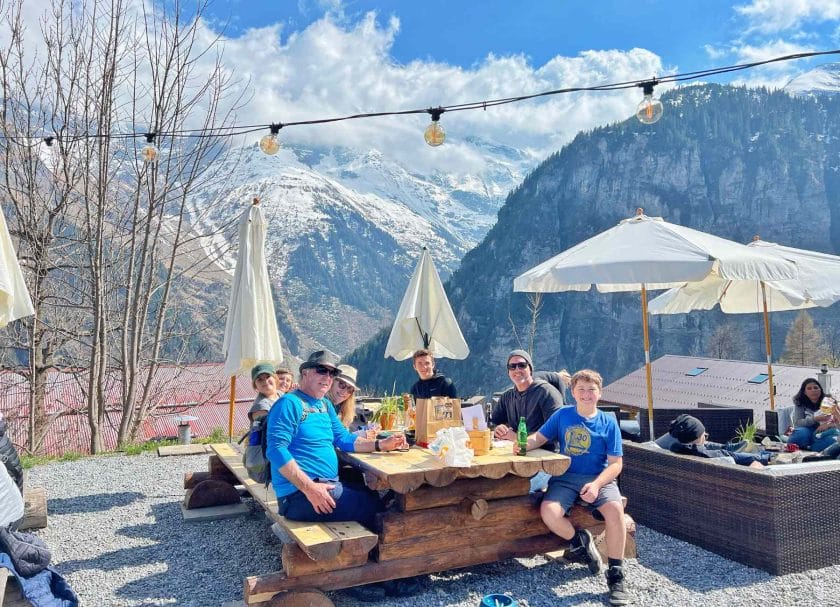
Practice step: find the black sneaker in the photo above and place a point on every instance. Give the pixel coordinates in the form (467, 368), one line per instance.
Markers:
(615, 581)
(582, 550)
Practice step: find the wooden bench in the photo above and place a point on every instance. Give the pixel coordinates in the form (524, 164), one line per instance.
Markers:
(318, 546)
(432, 529)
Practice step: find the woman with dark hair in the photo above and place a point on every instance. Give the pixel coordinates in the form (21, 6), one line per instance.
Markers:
(813, 429)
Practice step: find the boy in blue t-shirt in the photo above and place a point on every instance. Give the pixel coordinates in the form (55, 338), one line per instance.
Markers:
(592, 440)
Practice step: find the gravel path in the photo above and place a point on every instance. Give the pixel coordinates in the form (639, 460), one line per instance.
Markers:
(116, 532)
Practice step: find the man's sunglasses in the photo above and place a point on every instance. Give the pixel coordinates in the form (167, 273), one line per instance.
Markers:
(512, 366)
(322, 370)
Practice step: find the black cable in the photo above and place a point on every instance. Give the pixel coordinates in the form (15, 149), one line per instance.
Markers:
(234, 130)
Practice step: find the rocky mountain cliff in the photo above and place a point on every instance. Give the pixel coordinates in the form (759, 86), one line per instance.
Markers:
(731, 161)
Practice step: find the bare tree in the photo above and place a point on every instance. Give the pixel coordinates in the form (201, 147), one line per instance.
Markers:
(727, 342)
(101, 232)
(804, 344)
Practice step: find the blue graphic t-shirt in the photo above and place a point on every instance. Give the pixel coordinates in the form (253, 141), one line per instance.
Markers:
(587, 441)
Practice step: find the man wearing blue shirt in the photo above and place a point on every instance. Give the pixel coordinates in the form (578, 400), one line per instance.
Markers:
(592, 440)
(303, 434)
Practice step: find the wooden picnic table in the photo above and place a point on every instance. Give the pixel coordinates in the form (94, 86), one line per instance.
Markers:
(441, 518)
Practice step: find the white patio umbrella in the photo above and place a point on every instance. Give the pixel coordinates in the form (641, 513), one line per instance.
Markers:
(251, 334)
(647, 253)
(425, 318)
(14, 296)
(816, 285)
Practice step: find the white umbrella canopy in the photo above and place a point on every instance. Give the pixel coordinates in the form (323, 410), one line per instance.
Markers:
(816, 285)
(647, 253)
(251, 334)
(14, 296)
(425, 318)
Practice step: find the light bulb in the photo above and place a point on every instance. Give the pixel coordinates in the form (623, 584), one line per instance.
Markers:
(269, 144)
(434, 133)
(650, 109)
(149, 153)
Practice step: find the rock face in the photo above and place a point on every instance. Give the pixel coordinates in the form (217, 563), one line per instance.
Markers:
(734, 162)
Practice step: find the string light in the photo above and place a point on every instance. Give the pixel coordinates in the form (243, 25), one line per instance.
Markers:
(434, 133)
(149, 153)
(269, 144)
(238, 130)
(650, 109)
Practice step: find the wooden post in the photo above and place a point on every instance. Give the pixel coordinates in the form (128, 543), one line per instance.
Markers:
(232, 403)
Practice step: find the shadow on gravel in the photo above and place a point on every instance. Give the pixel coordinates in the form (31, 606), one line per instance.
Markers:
(92, 503)
(185, 563)
(469, 585)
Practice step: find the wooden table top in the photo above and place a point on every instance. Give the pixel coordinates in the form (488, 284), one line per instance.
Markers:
(404, 471)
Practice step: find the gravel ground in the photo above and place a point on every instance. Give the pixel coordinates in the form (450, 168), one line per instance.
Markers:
(116, 532)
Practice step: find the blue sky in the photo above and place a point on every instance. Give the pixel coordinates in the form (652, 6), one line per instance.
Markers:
(688, 35)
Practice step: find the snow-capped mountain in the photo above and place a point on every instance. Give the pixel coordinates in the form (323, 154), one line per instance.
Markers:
(345, 229)
(822, 80)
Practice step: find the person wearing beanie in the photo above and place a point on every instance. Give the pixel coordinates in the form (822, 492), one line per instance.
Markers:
(533, 399)
(689, 435)
(431, 383)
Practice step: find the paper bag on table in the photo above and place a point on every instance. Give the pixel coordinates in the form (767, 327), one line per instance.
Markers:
(450, 445)
(434, 414)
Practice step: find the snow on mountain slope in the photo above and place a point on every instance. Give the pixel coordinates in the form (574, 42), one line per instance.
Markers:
(823, 80)
(346, 228)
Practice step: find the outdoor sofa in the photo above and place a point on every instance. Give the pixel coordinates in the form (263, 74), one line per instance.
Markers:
(721, 422)
(782, 519)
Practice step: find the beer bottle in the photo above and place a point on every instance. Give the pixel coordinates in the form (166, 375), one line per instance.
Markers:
(522, 436)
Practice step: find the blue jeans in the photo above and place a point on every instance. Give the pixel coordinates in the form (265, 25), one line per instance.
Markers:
(352, 503)
(806, 438)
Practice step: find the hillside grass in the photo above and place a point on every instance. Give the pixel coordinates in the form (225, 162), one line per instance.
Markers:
(218, 435)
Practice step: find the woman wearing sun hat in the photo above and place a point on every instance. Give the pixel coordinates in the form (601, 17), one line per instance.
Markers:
(343, 393)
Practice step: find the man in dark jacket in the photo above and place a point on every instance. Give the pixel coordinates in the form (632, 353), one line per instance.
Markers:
(431, 383)
(533, 399)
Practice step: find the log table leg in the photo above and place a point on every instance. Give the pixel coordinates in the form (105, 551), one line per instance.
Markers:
(301, 598)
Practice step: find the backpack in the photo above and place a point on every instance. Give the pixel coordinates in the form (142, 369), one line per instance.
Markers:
(254, 458)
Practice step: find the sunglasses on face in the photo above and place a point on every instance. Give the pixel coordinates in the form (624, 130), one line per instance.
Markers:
(343, 385)
(322, 370)
(512, 366)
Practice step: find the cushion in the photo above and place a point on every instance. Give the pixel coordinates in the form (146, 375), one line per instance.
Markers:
(666, 441)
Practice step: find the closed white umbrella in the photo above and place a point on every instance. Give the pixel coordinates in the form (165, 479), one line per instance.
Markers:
(425, 318)
(816, 285)
(647, 253)
(251, 334)
(14, 296)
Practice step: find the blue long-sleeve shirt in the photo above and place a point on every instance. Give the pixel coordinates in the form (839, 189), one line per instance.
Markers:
(307, 430)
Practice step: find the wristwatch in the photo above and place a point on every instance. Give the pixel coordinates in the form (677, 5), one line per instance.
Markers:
(376, 446)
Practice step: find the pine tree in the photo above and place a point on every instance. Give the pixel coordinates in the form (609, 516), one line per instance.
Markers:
(804, 344)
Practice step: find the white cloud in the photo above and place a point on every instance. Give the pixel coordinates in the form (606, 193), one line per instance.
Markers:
(771, 16)
(331, 69)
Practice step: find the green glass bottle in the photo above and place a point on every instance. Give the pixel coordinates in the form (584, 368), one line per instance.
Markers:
(522, 436)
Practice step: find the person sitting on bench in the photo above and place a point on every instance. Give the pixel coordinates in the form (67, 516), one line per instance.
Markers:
(303, 433)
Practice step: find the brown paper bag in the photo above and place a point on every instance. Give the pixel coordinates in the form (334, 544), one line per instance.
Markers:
(436, 413)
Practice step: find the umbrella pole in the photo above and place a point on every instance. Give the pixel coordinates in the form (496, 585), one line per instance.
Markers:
(649, 382)
(232, 401)
(769, 348)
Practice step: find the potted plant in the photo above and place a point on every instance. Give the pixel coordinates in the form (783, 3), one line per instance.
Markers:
(747, 433)
(386, 414)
